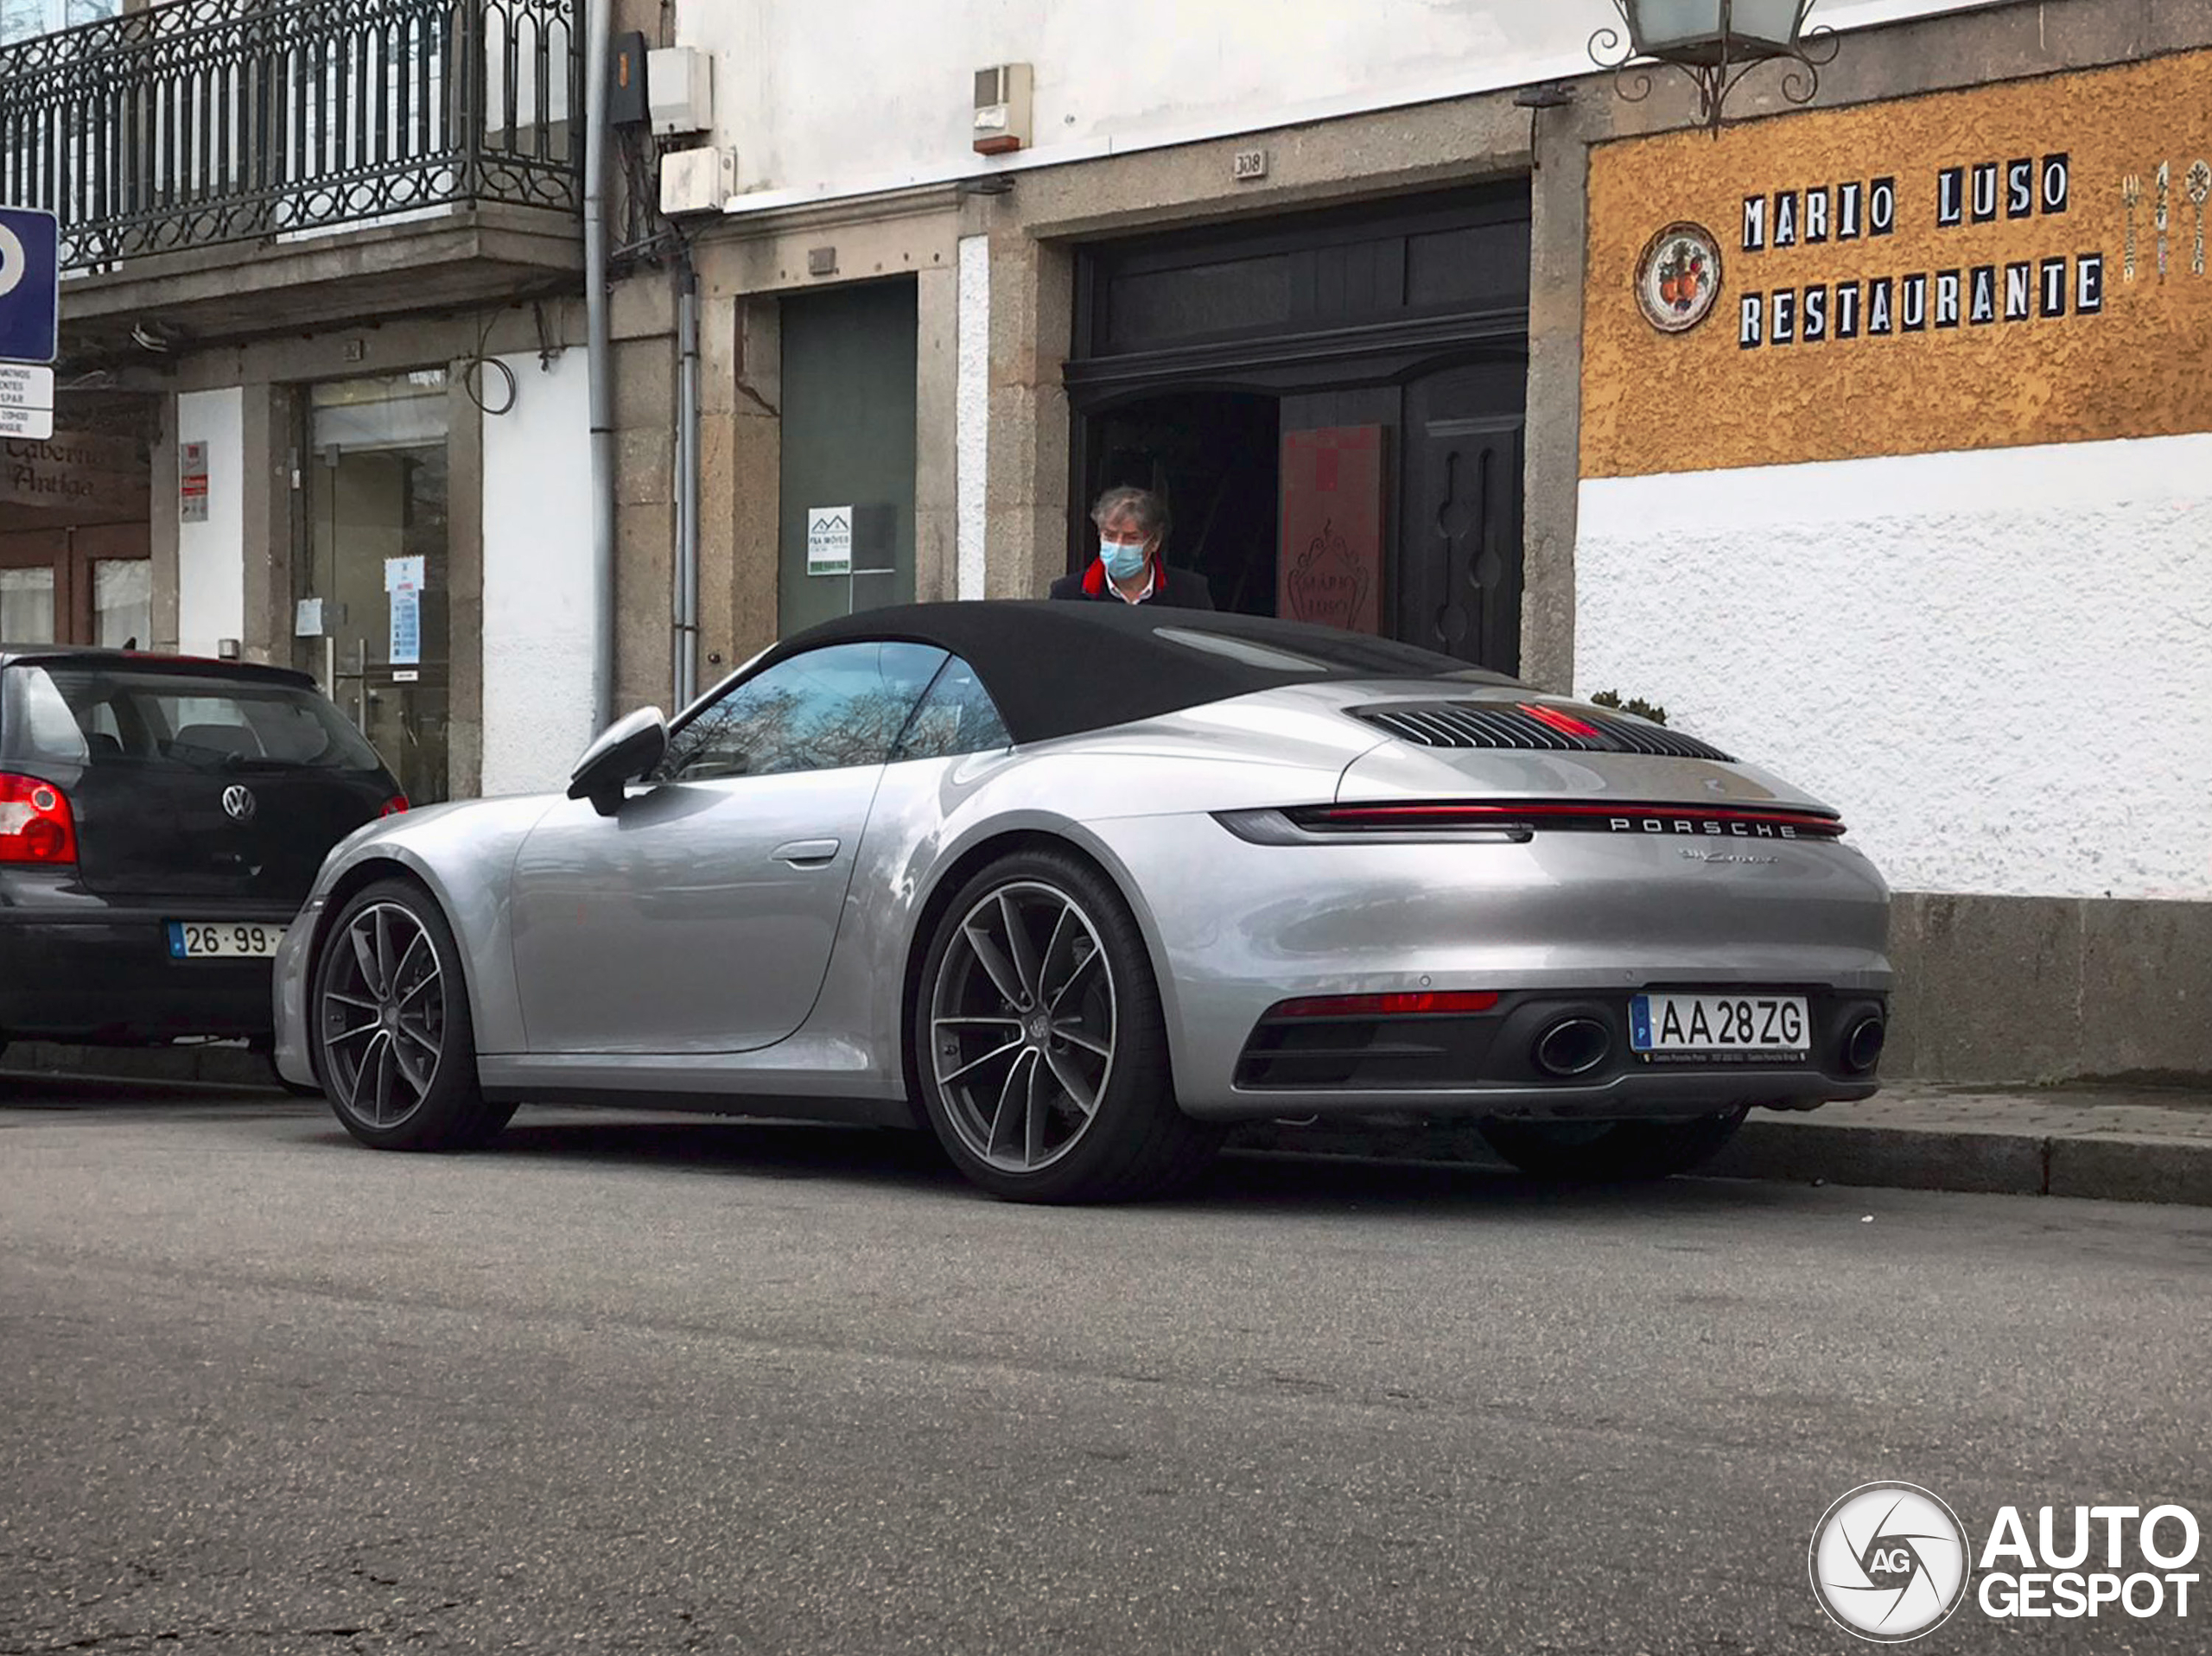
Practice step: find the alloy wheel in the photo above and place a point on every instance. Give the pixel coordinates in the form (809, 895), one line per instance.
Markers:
(382, 1015)
(1022, 1026)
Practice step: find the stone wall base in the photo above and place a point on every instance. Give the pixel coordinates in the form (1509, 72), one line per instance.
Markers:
(2047, 989)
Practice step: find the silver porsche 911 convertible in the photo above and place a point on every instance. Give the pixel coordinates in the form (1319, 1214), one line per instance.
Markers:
(1077, 887)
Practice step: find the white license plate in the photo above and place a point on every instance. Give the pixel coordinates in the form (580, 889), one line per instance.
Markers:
(1735, 1024)
(223, 940)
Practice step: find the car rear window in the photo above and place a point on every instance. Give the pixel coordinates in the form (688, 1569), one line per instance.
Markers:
(101, 716)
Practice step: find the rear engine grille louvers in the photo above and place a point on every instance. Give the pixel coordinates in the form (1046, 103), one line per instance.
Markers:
(1508, 726)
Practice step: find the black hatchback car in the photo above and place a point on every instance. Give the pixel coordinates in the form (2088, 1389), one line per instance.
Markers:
(160, 821)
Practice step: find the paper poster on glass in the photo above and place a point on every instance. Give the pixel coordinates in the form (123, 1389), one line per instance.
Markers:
(403, 580)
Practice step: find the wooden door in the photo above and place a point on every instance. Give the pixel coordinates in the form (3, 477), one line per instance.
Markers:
(1459, 566)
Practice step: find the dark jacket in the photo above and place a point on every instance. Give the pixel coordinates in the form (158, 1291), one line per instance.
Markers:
(1176, 589)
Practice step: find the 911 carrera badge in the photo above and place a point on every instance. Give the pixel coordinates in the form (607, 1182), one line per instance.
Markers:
(238, 804)
(1738, 857)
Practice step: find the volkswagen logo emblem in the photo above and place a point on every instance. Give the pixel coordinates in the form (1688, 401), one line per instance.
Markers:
(239, 803)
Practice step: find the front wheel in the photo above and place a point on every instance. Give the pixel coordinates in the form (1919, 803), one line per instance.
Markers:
(1609, 1152)
(394, 1043)
(1039, 1043)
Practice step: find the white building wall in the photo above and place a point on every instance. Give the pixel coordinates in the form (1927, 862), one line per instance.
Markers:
(972, 417)
(210, 555)
(1998, 665)
(537, 579)
(837, 96)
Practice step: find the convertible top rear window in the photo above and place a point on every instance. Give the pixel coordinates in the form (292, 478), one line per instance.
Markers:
(1058, 668)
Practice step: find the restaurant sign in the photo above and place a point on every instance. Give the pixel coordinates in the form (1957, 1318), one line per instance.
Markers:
(1974, 268)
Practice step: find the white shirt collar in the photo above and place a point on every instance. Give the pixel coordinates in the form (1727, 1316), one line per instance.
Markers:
(1151, 583)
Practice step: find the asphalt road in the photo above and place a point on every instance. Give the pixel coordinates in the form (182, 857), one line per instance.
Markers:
(630, 1385)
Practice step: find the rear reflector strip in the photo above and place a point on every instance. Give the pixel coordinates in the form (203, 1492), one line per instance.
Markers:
(1416, 1004)
(1446, 815)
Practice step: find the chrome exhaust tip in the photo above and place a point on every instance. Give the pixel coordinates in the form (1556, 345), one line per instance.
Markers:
(1573, 1046)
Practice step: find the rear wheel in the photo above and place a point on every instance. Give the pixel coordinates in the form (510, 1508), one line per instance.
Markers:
(1039, 1043)
(1612, 1151)
(394, 1043)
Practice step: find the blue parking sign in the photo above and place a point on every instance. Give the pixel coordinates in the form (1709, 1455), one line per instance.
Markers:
(31, 284)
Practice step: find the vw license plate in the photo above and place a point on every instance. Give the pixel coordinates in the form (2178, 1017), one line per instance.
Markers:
(1738, 1027)
(223, 940)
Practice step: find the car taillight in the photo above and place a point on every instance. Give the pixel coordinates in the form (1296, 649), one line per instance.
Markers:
(36, 825)
(1716, 821)
(1418, 1003)
(394, 805)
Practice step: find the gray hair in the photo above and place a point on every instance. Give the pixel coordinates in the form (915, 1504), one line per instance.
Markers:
(1149, 510)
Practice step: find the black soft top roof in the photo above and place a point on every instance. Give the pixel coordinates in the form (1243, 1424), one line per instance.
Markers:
(1059, 668)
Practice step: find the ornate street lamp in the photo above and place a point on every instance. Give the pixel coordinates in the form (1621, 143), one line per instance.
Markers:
(1716, 43)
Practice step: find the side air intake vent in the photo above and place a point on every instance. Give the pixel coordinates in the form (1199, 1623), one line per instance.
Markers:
(1530, 726)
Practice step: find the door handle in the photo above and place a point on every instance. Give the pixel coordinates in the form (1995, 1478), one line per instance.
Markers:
(805, 854)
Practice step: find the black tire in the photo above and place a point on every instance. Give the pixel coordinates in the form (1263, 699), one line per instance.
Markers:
(1134, 1141)
(1611, 1151)
(414, 1087)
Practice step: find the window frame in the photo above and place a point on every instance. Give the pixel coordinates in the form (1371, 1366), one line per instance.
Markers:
(70, 553)
(952, 658)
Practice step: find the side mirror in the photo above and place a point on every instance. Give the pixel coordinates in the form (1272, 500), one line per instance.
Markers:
(628, 749)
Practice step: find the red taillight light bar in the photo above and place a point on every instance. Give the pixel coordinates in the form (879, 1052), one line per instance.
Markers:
(1719, 822)
(36, 825)
(393, 806)
(1412, 1004)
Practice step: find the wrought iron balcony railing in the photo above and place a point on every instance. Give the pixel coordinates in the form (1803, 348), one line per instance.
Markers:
(202, 122)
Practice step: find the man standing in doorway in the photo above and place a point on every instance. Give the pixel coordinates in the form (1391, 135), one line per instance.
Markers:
(1132, 528)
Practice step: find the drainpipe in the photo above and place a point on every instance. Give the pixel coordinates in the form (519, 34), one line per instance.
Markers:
(598, 30)
(686, 640)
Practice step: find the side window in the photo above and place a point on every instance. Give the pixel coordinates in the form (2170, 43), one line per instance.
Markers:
(44, 728)
(956, 717)
(838, 706)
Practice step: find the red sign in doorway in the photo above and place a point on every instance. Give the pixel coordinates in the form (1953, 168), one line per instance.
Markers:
(1329, 566)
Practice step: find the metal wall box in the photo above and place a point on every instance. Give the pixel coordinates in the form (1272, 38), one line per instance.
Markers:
(680, 88)
(626, 80)
(696, 180)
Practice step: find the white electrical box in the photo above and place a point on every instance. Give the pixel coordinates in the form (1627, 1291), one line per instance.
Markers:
(696, 180)
(680, 89)
(1003, 105)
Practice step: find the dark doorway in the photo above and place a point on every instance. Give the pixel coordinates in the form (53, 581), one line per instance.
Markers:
(1400, 328)
(1212, 454)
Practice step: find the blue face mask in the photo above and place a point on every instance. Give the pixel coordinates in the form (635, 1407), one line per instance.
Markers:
(1125, 560)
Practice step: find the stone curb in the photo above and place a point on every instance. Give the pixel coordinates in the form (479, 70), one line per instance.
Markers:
(1801, 1150)
(218, 1066)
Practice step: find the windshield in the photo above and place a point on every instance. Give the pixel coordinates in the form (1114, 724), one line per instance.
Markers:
(97, 714)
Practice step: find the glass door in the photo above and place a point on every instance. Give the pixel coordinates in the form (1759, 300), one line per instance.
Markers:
(373, 608)
(27, 594)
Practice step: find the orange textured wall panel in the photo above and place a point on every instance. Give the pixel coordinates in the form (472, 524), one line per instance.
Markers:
(2012, 200)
